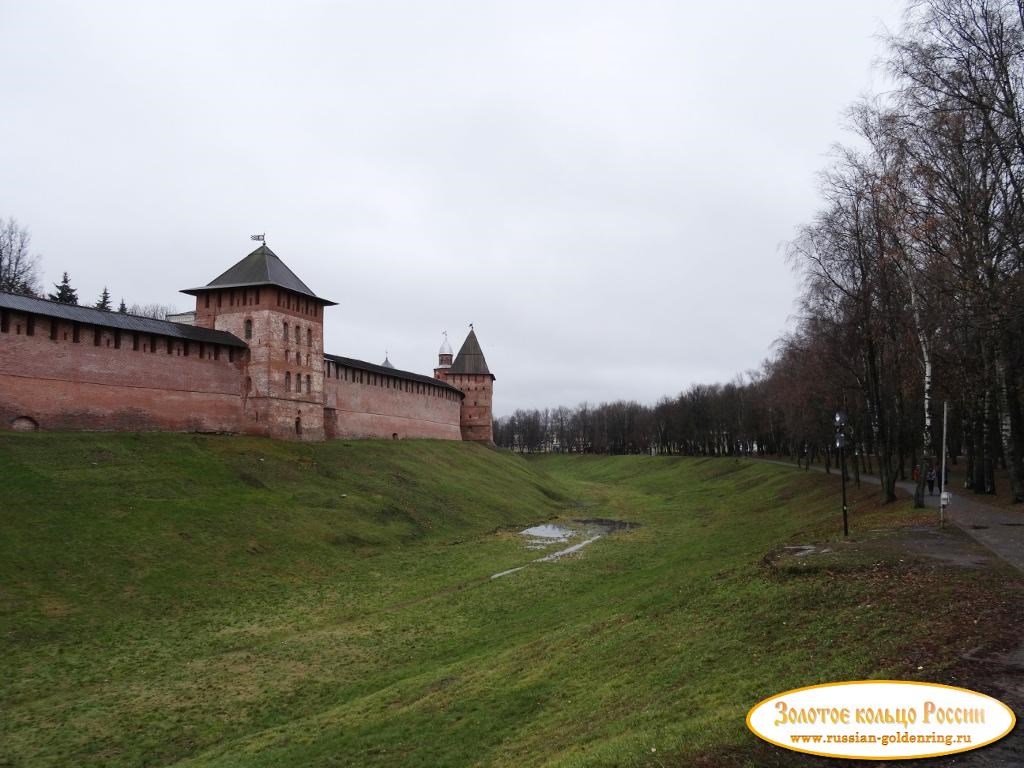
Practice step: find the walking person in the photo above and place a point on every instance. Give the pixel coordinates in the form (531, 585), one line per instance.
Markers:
(931, 481)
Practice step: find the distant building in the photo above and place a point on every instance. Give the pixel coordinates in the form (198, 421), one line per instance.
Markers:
(248, 360)
(185, 318)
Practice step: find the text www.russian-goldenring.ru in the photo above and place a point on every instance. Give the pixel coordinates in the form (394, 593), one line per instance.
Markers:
(885, 740)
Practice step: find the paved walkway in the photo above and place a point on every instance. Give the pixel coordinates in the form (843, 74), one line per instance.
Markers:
(997, 673)
(1001, 530)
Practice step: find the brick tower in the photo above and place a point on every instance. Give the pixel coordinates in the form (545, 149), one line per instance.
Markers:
(469, 373)
(265, 304)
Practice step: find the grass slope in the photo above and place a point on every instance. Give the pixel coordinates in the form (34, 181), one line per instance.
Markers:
(199, 601)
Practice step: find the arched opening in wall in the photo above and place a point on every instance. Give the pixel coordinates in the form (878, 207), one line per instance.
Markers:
(248, 329)
(298, 424)
(394, 435)
(25, 424)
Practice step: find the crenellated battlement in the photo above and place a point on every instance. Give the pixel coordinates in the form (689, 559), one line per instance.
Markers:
(250, 361)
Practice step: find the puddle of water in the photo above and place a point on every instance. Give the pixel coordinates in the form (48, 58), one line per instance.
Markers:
(506, 573)
(549, 531)
(553, 556)
(567, 550)
(542, 536)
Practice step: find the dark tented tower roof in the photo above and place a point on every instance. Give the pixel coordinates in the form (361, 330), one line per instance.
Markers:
(470, 358)
(261, 267)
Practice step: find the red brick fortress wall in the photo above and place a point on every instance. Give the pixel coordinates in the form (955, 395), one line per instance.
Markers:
(476, 414)
(115, 380)
(364, 404)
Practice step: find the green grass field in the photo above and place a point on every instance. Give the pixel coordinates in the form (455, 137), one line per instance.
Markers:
(207, 601)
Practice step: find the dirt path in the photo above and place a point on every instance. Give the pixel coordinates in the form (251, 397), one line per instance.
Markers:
(1000, 530)
(997, 531)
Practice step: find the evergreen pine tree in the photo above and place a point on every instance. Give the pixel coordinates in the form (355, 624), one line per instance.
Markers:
(104, 300)
(65, 293)
(122, 309)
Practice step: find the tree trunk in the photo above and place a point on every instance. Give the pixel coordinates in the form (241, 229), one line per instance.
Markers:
(879, 424)
(988, 464)
(1009, 427)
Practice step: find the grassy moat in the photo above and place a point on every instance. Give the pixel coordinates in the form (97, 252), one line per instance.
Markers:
(216, 601)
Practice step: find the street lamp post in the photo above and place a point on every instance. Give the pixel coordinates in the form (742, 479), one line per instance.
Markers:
(841, 445)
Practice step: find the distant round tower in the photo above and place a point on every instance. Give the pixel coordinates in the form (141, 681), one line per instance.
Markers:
(469, 373)
(444, 356)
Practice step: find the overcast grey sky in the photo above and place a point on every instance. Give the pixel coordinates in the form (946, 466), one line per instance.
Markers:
(602, 188)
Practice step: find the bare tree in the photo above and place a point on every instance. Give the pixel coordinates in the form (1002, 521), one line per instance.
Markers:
(960, 65)
(19, 267)
(157, 311)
